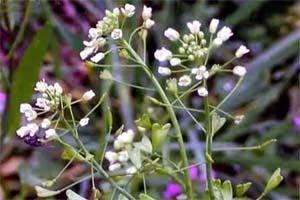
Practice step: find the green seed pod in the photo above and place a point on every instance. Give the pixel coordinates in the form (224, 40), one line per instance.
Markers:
(186, 38)
(181, 50)
(201, 34)
(191, 57)
(203, 41)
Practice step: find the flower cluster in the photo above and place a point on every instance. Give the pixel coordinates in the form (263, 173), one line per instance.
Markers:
(194, 51)
(110, 27)
(49, 101)
(120, 156)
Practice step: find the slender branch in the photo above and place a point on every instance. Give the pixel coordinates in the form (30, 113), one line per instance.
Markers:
(172, 117)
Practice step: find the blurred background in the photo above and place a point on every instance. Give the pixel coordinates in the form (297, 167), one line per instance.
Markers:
(42, 39)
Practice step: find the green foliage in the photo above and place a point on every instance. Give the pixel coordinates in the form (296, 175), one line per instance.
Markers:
(26, 75)
(274, 181)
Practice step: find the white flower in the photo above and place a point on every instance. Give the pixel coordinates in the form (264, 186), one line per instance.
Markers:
(175, 61)
(93, 33)
(116, 11)
(131, 170)
(200, 73)
(58, 89)
(128, 10)
(111, 156)
(41, 86)
(238, 119)
(148, 23)
(126, 137)
(116, 34)
(213, 25)
(123, 156)
(86, 52)
(194, 26)
(118, 144)
(32, 128)
(171, 34)
(25, 107)
(147, 13)
(42, 103)
(30, 115)
(164, 71)
(239, 70)
(50, 133)
(88, 95)
(163, 54)
(242, 50)
(46, 123)
(84, 121)
(184, 80)
(202, 92)
(217, 42)
(114, 167)
(22, 131)
(96, 58)
(225, 33)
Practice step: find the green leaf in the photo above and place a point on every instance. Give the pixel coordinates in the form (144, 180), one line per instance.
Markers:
(144, 196)
(26, 75)
(217, 122)
(43, 192)
(135, 157)
(144, 122)
(274, 181)
(159, 134)
(74, 196)
(227, 190)
(144, 145)
(241, 189)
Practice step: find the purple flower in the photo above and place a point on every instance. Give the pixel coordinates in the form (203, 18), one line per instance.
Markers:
(2, 101)
(172, 191)
(296, 121)
(194, 173)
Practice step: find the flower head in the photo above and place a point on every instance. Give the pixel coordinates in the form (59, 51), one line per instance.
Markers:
(97, 57)
(184, 81)
(164, 71)
(194, 26)
(147, 13)
(242, 50)
(84, 121)
(202, 92)
(88, 95)
(239, 70)
(225, 33)
(128, 10)
(163, 54)
(116, 34)
(171, 34)
(213, 25)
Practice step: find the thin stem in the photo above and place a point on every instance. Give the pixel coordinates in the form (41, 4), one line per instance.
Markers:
(190, 114)
(134, 86)
(208, 147)
(228, 96)
(261, 196)
(172, 117)
(186, 92)
(144, 183)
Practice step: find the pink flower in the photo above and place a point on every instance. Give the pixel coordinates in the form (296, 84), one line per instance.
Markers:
(172, 191)
(2, 101)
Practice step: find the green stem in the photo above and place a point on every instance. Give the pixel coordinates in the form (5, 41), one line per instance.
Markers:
(208, 147)
(172, 117)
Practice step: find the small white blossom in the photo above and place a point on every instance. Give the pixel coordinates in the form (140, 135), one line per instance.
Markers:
(118, 144)
(114, 167)
(86, 52)
(25, 107)
(126, 137)
(96, 58)
(184, 81)
(147, 13)
(225, 33)
(123, 156)
(200, 73)
(43, 103)
(116, 34)
(92, 46)
(238, 119)
(22, 131)
(111, 156)
(164, 71)
(148, 23)
(93, 32)
(50, 133)
(88, 95)
(217, 42)
(32, 128)
(175, 61)
(41, 86)
(213, 25)
(128, 10)
(202, 92)
(58, 89)
(84, 121)
(239, 70)
(171, 34)
(194, 26)
(116, 11)
(163, 54)
(242, 50)
(30, 115)
(131, 170)
(46, 123)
